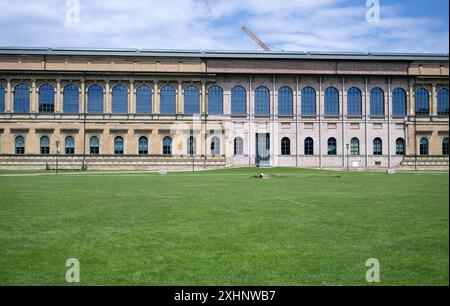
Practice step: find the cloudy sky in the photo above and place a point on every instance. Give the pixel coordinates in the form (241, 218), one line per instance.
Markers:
(292, 25)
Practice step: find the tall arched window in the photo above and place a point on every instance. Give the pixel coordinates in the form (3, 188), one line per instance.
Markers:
(144, 97)
(377, 147)
(399, 102)
(442, 102)
(191, 146)
(422, 102)
(332, 147)
(69, 145)
(120, 99)
(308, 101)
(445, 146)
(285, 146)
(22, 98)
(44, 145)
(191, 100)
(168, 101)
(377, 102)
(71, 99)
(95, 99)
(2, 99)
(215, 146)
(285, 101)
(118, 146)
(354, 147)
(424, 148)
(46, 99)
(143, 146)
(400, 147)
(331, 102)
(354, 102)
(215, 100)
(262, 101)
(309, 146)
(20, 145)
(238, 101)
(94, 146)
(238, 146)
(167, 146)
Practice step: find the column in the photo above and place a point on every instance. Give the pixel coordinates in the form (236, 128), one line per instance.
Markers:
(203, 107)
(58, 104)
(33, 97)
(155, 106)
(320, 122)
(296, 121)
(131, 100)
(366, 127)
(180, 108)
(343, 112)
(83, 99)
(389, 114)
(9, 97)
(106, 101)
(433, 101)
(412, 99)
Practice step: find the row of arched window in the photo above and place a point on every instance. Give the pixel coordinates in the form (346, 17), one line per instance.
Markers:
(143, 147)
(94, 146)
(144, 96)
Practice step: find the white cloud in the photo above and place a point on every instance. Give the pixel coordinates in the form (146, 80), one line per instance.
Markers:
(329, 25)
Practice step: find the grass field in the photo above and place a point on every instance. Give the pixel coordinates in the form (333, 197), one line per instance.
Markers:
(225, 228)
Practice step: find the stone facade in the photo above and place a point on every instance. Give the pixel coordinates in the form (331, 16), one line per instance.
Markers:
(227, 70)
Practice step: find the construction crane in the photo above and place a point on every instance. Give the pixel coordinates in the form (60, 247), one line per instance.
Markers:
(256, 39)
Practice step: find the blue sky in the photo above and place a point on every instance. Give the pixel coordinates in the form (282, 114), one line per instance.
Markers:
(292, 25)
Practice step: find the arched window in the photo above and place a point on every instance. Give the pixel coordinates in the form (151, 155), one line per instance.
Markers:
(399, 102)
(71, 99)
(285, 146)
(238, 146)
(377, 147)
(167, 146)
(94, 146)
(238, 101)
(45, 145)
(445, 147)
(332, 147)
(22, 98)
(46, 99)
(422, 102)
(262, 101)
(20, 145)
(95, 99)
(331, 102)
(118, 146)
(308, 101)
(2, 99)
(442, 102)
(215, 100)
(354, 147)
(191, 100)
(215, 146)
(354, 102)
(168, 100)
(424, 147)
(120, 99)
(285, 101)
(144, 97)
(191, 146)
(377, 102)
(309, 146)
(69, 145)
(143, 146)
(400, 146)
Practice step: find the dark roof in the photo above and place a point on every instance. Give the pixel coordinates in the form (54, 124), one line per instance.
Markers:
(225, 54)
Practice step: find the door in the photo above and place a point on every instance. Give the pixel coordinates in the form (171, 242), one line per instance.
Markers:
(262, 149)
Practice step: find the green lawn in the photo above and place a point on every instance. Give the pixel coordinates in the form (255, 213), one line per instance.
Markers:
(225, 228)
